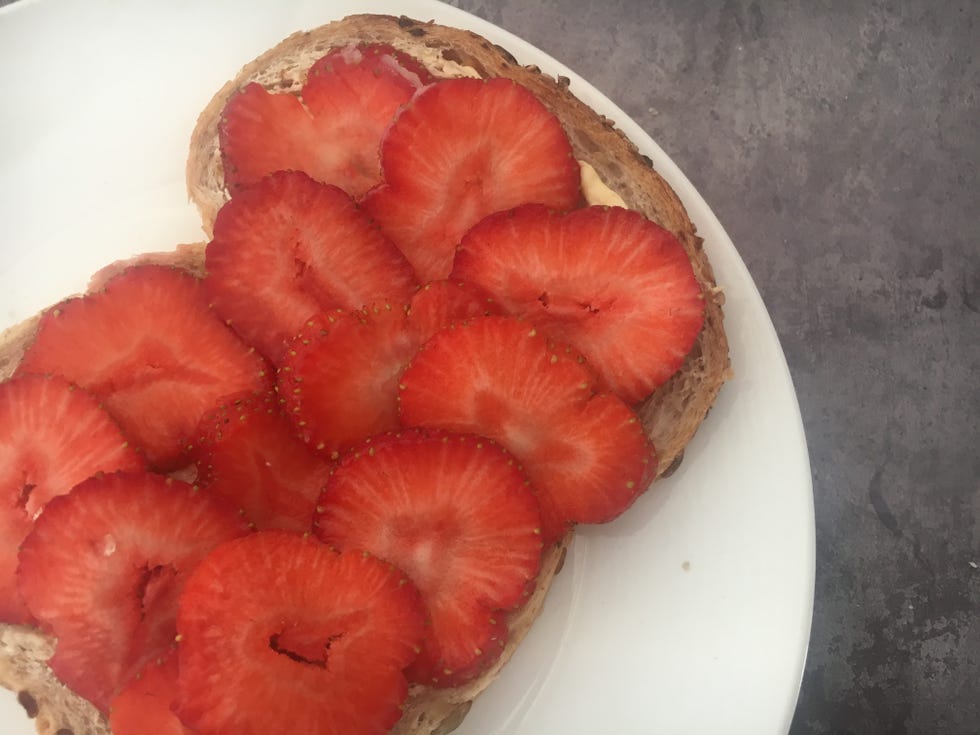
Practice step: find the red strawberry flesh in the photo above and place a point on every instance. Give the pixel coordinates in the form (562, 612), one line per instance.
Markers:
(457, 514)
(302, 639)
(440, 303)
(149, 348)
(254, 117)
(585, 454)
(144, 703)
(289, 247)
(463, 149)
(339, 378)
(249, 455)
(103, 567)
(617, 287)
(54, 436)
(333, 133)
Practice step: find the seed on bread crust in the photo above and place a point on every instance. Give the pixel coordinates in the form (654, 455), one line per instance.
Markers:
(28, 702)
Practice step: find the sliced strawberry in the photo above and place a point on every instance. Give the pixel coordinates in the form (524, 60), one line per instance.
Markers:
(289, 247)
(350, 98)
(144, 704)
(339, 378)
(54, 436)
(376, 59)
(104, 566)
(440, 303)
(586, 454)
(616, 286)
(281, 634)
(462, 149)
(457, 514)
(151, 351)
(249, 455)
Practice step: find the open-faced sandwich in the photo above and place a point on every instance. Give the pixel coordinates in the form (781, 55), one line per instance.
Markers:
(317, 474)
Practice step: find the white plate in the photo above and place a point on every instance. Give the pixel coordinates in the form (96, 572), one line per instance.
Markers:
(691, 614)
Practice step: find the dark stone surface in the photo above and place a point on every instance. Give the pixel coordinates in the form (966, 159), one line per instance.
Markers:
(838, 143)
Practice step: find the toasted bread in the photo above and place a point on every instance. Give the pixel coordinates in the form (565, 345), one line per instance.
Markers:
(671, 415)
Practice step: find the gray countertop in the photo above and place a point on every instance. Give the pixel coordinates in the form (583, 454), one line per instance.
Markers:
(839, 143)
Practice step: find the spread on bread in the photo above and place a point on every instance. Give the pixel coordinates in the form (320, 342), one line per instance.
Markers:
(323, 471)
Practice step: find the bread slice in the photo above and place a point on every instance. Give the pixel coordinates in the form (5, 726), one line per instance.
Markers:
(671, 415)
(677, 409)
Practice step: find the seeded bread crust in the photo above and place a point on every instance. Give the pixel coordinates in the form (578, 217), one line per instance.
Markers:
(671, 415)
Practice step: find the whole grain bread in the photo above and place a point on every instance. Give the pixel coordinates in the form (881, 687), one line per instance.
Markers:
(671, 415)
(676, 410)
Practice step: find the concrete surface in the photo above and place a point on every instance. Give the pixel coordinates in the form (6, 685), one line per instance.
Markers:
(838, 143)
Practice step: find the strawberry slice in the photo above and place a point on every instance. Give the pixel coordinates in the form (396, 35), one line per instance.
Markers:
(289, 247)
(151, 351)
(248, 454)
(104, 566)
(334, 133)
(457, 514)
(440, 303)
(617, 287)
(281, 634)
(339, 378)
(144, 704)
(585, 453)
(462, 149)
(54, 436)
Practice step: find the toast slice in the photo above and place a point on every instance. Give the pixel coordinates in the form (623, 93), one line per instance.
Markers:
(675, 411)
(671, 415)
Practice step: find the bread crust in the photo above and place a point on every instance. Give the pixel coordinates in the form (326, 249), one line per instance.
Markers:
(54, 707)
(671, 415)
